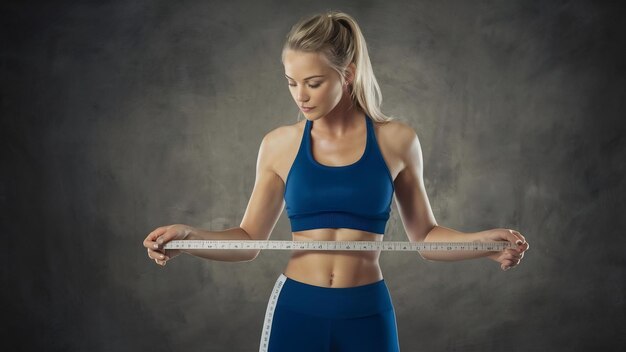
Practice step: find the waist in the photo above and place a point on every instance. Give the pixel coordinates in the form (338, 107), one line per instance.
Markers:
(332, 270)
(341, 268)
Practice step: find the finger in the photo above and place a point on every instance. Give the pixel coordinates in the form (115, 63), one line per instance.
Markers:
(521, 242)
(151, 245)
(515, 237)
(146, 241)
(509, 263)
(509, 252)
(149, 241)
(156, 233)
(522, 247)
(165, 237)
(514, 262)
(511, 256)
(157, 255)
(520, 236)
(513, 253)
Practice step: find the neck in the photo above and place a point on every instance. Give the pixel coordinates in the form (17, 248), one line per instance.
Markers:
(340, 120)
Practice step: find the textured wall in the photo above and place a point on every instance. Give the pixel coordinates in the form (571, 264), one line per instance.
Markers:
(117, 118)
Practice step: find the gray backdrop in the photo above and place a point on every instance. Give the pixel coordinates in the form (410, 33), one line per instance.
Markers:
(123, 116)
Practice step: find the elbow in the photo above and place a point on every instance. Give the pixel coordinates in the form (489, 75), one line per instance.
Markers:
(425, 257)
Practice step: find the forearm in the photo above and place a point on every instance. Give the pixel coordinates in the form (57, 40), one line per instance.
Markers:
(444, 234)
(225, 255)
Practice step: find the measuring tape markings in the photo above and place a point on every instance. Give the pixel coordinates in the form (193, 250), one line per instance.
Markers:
(269, 313)
(340, 245)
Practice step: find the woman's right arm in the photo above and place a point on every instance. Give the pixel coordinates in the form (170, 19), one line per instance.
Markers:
(263, 210)
(224, 255)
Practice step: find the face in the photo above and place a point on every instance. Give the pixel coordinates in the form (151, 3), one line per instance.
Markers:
(312, 82)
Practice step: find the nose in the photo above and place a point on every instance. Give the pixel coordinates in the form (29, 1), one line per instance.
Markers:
(301, 96)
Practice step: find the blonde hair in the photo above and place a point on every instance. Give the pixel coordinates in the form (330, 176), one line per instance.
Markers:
(338, 37)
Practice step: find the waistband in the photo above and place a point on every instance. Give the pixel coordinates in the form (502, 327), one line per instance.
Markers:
(339, 302)
(337, 220)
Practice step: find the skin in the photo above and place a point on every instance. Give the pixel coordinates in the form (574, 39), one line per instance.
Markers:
(338, 138)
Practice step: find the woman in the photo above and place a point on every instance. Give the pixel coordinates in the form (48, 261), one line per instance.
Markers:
(337, 171)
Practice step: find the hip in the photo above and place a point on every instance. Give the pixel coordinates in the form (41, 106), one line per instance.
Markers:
(329, 302)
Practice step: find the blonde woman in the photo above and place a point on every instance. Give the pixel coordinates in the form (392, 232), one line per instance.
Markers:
(337, 171)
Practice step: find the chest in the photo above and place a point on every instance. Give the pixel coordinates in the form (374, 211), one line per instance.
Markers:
(338, 154)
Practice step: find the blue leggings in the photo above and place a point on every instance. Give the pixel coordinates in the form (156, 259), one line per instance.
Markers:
(302, 317)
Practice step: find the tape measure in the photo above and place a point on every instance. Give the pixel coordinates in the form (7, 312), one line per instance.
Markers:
(340, 245)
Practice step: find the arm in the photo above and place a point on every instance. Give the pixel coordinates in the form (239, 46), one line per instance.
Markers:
(224, 255)
(263, 210)
(444, 234)
(419, 221)
(414, 207)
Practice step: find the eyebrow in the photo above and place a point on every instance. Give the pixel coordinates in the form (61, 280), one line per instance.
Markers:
(307, 77)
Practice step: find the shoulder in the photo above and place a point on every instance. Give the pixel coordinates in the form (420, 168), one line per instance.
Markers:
(397, 128)
(397, 136)
(282, 136)
(278, 140)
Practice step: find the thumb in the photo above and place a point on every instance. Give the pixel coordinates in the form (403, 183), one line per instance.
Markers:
(156, 233)
(165, 237)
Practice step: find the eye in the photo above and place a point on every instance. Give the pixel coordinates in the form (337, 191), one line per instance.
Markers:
(312, 86)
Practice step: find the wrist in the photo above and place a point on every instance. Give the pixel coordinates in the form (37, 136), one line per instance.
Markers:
(192, 233)
(479, 236)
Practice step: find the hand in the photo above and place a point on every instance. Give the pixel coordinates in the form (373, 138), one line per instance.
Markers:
(509, 257)
(155, 241)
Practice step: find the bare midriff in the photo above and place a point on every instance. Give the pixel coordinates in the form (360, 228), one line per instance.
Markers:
(334, 268)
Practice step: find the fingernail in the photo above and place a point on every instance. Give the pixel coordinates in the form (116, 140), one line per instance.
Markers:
(156, 245)
(162, 256)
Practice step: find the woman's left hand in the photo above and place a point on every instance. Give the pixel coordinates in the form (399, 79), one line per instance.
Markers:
(509, 257)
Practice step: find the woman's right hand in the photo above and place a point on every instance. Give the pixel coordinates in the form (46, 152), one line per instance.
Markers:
(155, 242)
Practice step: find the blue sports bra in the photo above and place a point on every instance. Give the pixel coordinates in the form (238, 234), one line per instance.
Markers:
(356, 196)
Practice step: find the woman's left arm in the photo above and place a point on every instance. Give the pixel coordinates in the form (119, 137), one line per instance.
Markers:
(418, 219)
(507, 258)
